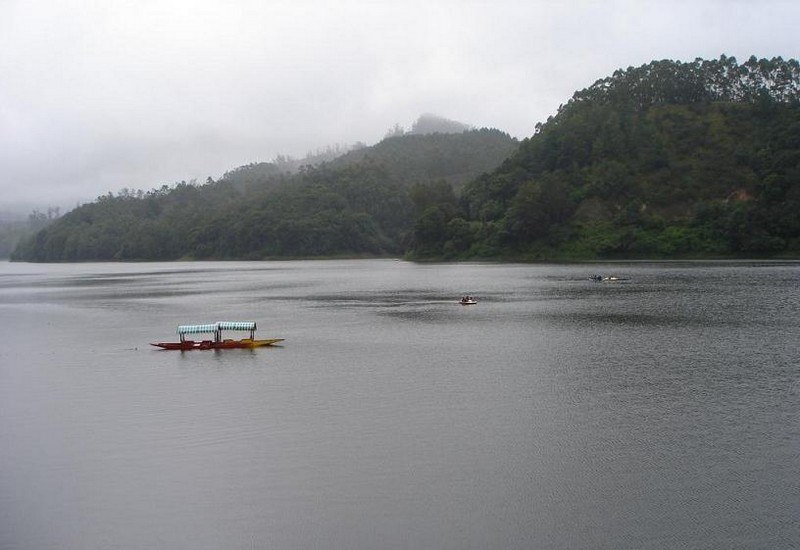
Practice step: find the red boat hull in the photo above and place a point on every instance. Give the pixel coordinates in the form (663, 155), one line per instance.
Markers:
(225, 344)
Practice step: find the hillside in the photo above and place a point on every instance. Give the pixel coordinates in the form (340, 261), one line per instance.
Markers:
(454, 157)
(665, 160)
(360, 204)
(14, 228)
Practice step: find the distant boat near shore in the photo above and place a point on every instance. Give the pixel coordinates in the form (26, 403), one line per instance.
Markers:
(607, 278)
(218, 342)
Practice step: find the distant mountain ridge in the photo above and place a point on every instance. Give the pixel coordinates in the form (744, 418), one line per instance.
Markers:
(357, 204)
(666, 160)
(426, 124)
(433, 124)
(453, 157)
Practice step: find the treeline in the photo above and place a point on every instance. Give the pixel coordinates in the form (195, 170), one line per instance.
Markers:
(360, 205)
(287, 163)
(14, 230)
(665, 160)
(453, 157)
(701, 81)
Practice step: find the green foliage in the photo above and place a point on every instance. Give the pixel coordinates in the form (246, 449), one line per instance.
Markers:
(664, 160)
(13, 230)
(354, 206)
(456, 158)
(432, 124)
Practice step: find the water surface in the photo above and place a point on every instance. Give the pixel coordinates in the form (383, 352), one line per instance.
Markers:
(656, 412)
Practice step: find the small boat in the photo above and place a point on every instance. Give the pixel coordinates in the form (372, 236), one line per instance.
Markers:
(606, 279)
(218, 342)
(468, 301)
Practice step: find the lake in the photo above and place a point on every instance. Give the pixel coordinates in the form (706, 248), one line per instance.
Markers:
(660, 411)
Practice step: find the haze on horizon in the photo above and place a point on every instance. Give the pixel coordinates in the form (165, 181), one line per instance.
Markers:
(96, 97)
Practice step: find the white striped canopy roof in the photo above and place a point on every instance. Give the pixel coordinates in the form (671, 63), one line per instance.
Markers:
(214, 327)
(236, 325)
(197, 329)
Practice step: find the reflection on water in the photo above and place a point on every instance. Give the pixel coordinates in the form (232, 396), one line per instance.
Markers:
(559, 412)
(583, 319)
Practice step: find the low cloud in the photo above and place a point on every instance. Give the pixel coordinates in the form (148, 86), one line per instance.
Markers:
(136, 94)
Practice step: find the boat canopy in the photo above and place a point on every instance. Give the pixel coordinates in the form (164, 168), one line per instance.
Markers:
(236, 325)
(217, 327)
(197, 329)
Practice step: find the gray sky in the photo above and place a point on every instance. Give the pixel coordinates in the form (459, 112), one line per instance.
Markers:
(97, 95)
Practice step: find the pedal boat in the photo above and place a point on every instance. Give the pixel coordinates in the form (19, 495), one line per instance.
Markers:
(218, 342)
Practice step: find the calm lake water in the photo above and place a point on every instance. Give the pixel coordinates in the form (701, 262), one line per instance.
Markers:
(658, 412)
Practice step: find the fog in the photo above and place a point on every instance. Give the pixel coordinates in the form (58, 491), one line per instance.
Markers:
(97, 96)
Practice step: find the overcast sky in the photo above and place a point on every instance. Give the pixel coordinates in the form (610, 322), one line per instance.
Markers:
(97, 95)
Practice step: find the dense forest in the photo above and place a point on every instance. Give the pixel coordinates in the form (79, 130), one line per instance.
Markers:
(360, 204)
(14, 228)
(669, 159)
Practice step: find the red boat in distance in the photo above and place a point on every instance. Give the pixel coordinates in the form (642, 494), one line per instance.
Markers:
(218, 342)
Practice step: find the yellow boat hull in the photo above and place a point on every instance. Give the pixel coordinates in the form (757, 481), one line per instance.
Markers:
(245, 343)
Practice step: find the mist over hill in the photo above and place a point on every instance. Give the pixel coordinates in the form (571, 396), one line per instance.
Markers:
(427, 123)
(666, 160)
(357, 204)
(434, 124)
(669, 159)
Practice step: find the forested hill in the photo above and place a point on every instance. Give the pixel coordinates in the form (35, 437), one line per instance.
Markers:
(454, 157)
(669, 159)
(666, 160)
(361, 204)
